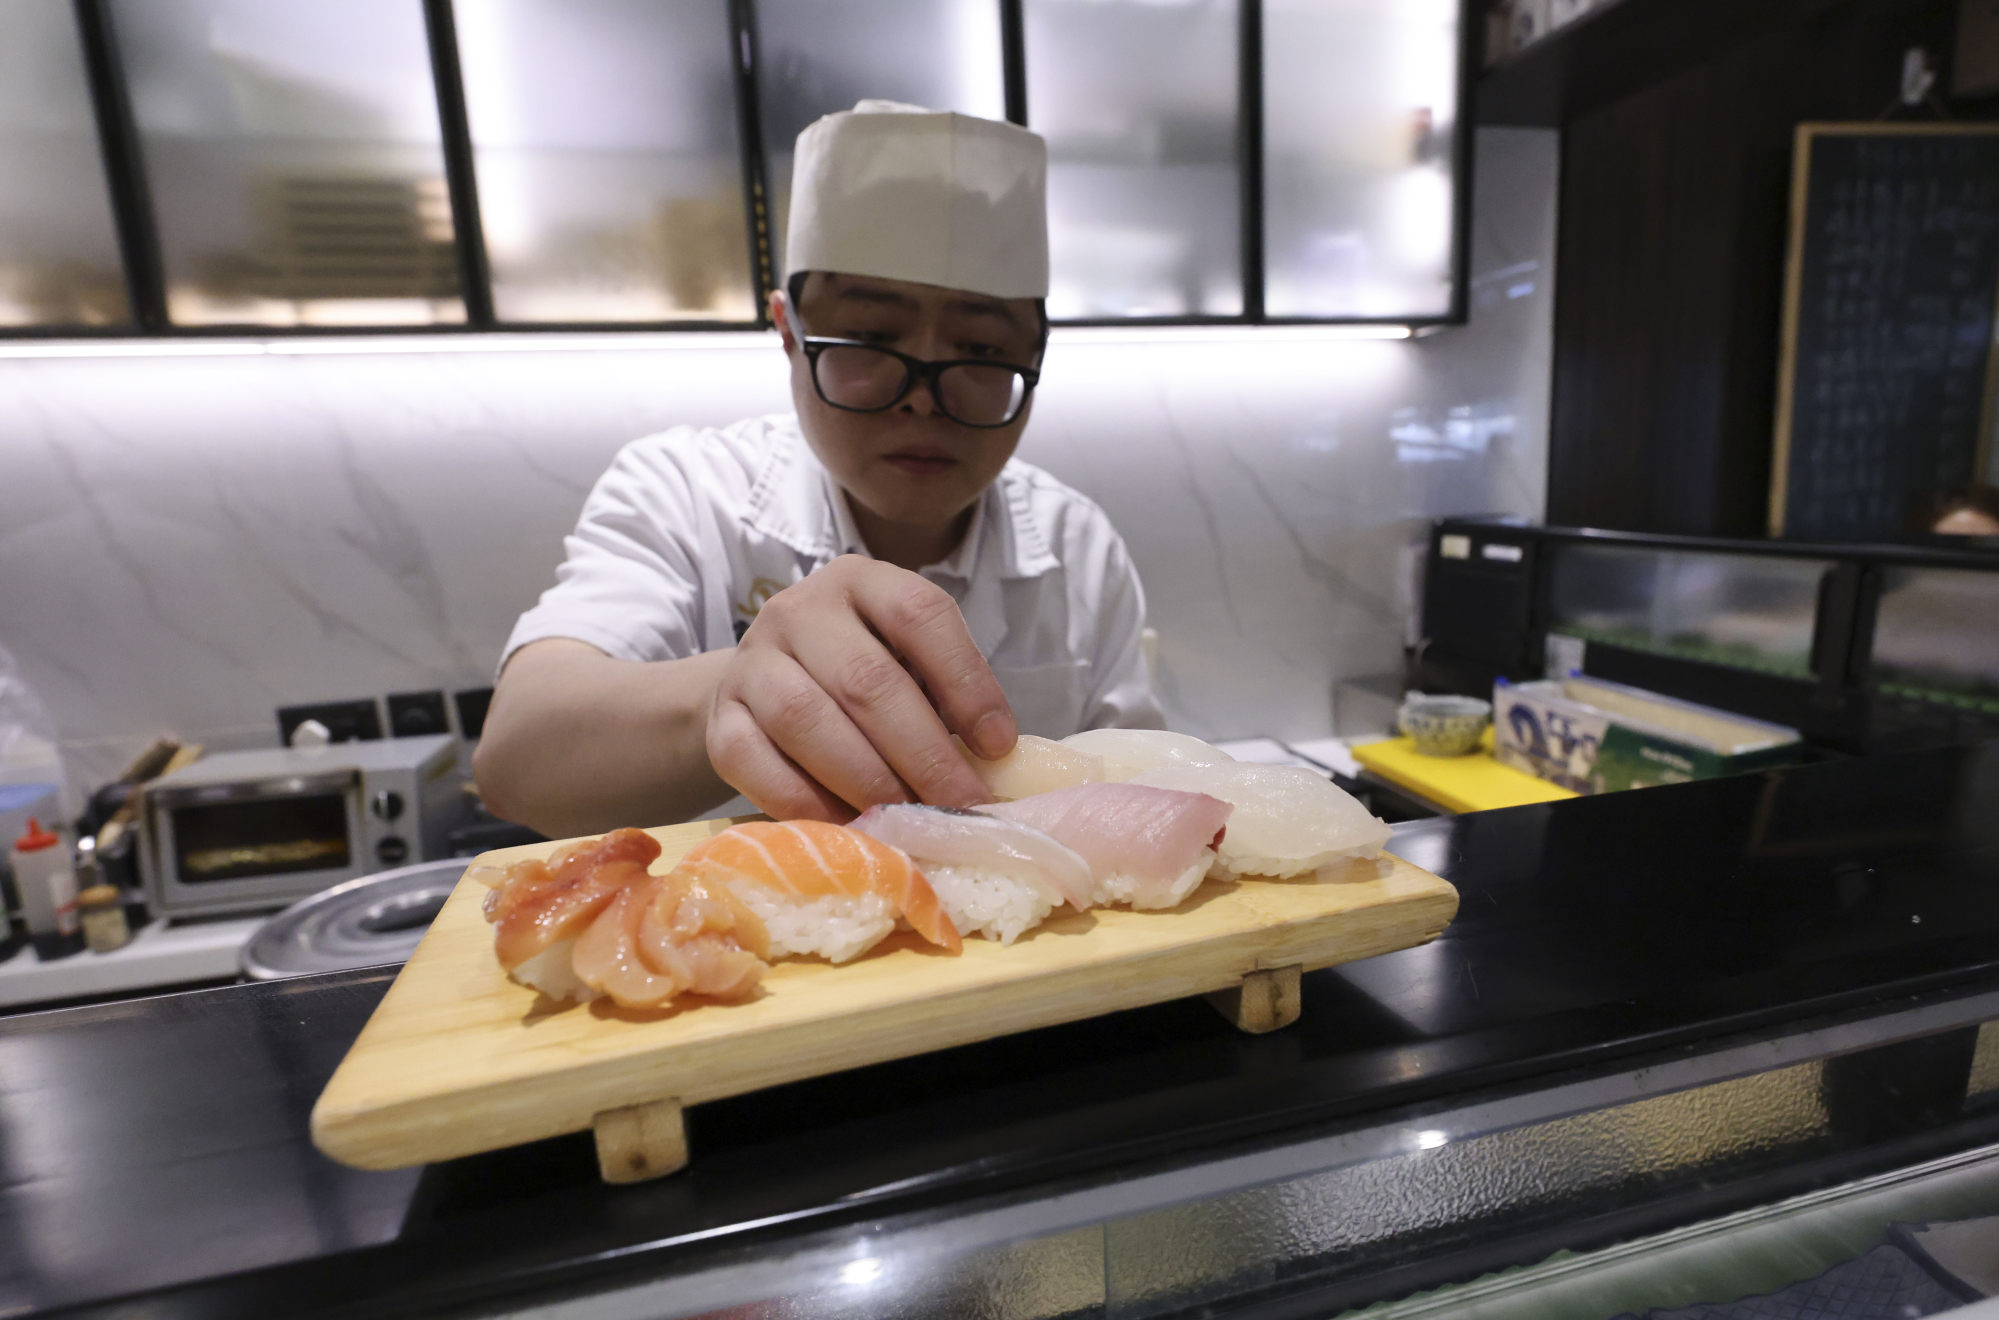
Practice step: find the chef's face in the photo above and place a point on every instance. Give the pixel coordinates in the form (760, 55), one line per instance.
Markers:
(909, 465)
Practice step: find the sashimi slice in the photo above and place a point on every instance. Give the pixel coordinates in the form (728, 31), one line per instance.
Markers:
(811, 860)
(539, 904)
(995, 877)
(608, 960)
(1128, 752)
(675, 934)
(1287, 820)
(697, 931)
(972, 838)
(1036, 765)
(1149, 847)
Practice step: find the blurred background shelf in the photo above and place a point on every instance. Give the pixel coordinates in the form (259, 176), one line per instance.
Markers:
(1622, 47)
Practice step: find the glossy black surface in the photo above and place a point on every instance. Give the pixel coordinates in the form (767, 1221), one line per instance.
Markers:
(159, 1147)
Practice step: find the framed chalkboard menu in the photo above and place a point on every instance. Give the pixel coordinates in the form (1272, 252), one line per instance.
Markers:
(1886, 385)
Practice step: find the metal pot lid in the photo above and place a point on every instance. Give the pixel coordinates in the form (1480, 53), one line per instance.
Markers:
(369, 922)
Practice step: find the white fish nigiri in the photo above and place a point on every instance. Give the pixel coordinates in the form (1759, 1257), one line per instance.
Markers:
(1149, 847)
(1288, 820)
(1129, 752)
(1036, 765)
(995, 877)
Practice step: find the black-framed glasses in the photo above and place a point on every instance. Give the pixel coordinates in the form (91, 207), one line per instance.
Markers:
(864, 378)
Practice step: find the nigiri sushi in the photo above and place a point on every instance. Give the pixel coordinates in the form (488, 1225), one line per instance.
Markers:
(1287, 819)
(997, 878)
(822, 889)
(538, 909)
(1128, 752)
(1036, 765)
(1145, 846)
(679, 932)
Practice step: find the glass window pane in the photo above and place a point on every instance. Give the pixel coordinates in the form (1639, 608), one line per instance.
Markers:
(1359, 116)
(59, 262)
(1752, 612)
(292, 149)
(1936, 635)
(1144, 185)
(819, 56)
(610, 171)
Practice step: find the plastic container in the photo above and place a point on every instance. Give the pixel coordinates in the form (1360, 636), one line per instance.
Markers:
(104, 926)
(1595, 736)
(47, 887)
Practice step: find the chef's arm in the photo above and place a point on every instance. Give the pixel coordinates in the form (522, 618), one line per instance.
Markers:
(844, 693)
(578, 742)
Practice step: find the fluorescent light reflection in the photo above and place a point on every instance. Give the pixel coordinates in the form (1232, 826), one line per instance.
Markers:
(1209, 334)
(761, 341)
(1431, 1139)
(860, 1273)
(365, 345)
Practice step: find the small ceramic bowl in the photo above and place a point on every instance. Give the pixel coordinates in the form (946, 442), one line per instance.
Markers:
(1443, 726)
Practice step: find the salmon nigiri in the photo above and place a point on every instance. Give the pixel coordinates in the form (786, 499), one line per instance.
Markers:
(822, 888)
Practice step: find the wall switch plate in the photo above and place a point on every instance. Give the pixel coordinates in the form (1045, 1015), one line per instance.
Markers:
(417, 714)
(346, 721)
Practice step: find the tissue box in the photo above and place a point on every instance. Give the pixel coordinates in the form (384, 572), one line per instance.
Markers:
(1594, 736)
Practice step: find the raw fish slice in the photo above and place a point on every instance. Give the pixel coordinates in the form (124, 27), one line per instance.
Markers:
(811, 860)
(1036, 765)
(1287, 821)
(954, 837)
(607, 957)
(1129, 752)
(995, 877)
(703, 936)
(1145, 846)
(538, 904)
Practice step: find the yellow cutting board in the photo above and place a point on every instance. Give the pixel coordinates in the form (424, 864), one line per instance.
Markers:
(1457, 783)
(458, 1059)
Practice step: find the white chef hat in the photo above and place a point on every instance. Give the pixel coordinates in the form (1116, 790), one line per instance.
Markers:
(903, 193)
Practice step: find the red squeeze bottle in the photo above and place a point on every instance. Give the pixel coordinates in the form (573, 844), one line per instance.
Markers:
(46, 884)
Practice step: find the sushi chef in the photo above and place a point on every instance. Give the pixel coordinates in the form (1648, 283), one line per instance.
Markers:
(804, 608)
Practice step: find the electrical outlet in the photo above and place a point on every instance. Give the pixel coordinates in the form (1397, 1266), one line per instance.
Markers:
(417, 714)
(346, 721)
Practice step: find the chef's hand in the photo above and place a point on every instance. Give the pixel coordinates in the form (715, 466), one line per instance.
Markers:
(824, 712)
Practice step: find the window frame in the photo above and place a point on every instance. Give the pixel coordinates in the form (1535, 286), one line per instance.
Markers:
(139, 246)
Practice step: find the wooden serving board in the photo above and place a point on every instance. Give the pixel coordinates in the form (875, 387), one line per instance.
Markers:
(458, 1059)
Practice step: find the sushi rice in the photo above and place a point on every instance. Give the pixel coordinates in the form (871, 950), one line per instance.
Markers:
(837, 927)
(988, 903)
(553, 973)
(1144, 892)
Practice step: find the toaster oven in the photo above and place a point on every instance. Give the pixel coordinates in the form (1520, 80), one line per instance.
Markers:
(248, 831)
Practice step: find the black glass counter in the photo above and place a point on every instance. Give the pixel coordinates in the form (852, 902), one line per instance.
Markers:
(1609, 952)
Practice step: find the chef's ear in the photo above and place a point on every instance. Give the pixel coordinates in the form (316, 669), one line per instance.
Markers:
(781, 317)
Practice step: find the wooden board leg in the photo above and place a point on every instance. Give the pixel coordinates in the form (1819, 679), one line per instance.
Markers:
(1263, 1002)
(641, 1141)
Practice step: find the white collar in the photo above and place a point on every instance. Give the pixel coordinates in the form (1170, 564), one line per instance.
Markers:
(795, 500)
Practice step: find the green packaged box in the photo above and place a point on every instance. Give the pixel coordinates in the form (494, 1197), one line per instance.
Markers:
(1595, 736)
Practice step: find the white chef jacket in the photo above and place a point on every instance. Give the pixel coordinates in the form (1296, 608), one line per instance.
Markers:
(692, 530)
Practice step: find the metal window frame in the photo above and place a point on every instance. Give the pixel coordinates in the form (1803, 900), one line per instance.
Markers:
(124, 177)
(122, 156)
(468, 230)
